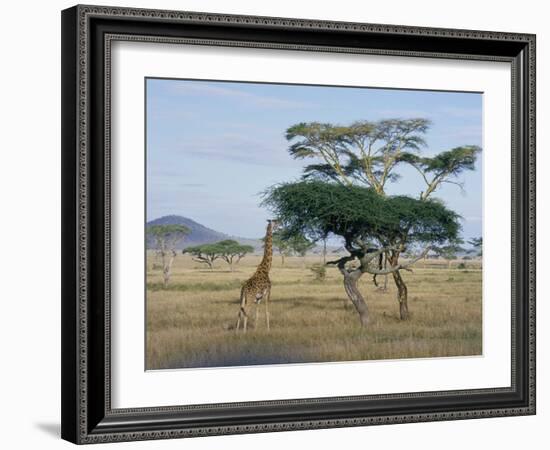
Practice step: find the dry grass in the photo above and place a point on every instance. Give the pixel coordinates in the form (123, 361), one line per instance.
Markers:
(191, 323)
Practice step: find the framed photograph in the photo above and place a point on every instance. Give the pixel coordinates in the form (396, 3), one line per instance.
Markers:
(278, 224)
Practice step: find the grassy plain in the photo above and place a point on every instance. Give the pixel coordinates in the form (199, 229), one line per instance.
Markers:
(191, 324)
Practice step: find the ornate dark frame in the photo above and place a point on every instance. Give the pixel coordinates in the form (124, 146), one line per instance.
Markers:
(87, 32)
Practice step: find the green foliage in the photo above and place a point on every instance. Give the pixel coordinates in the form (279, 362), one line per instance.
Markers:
(413, 220)
(166, 236)
(363, 151)
(299, 244)
(453, 161)
(450, 251)
(443, 167)
(316, 209)
(477, 243)
(206, 249)
(367, 153)
(205, 253)
(230, 247)
(288, 242)
(228, 250)
(280, 243)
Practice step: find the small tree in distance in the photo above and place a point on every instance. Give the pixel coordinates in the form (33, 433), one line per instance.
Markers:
(477, 243)
(300, 245)
(228, 250)
(281, 245)
(166, 237)
(232, 252)
(449, 252)
(204, 254)
(289, 243)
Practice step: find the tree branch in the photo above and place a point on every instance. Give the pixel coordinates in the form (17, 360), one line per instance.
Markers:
(341, 263)
(367, 259)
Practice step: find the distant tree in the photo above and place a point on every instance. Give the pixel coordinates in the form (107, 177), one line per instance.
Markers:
(299, 244)
(232, 252)
(449, 252)
(477, 243)
(281, 245)
(288, 243)
(166, 237)
(205, 254)
(228, 250)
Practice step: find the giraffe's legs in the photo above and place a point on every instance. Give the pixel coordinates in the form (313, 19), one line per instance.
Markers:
(245, 320)
(257, 308)
(238, 321)
(268, 295)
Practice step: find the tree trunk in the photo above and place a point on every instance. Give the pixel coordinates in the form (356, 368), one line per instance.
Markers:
(350, 285)
(402, 294)
(167, 269)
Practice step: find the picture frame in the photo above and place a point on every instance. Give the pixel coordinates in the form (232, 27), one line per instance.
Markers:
(87, 35)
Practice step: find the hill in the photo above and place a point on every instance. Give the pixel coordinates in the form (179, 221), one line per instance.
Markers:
(200, 234)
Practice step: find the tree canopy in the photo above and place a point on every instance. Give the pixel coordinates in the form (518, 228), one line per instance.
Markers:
(232, 252)
(228, 250)
(364, 151)
(167, 233)
(367, 153)
(443, 167)
(359, 215)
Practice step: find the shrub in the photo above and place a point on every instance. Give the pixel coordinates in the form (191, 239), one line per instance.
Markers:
(319, 271)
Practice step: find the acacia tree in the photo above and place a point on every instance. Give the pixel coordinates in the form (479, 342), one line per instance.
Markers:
(300, 245)
(281, 245)
(232, 252)
(370, 225)
(228, 250)
(288, 243)
(204, 254)
(166, 237)
(367, 154)
(449, 252)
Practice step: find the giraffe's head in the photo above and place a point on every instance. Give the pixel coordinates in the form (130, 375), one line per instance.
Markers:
(275, 224)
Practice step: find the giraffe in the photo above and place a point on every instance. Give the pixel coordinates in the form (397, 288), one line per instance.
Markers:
(258, 286)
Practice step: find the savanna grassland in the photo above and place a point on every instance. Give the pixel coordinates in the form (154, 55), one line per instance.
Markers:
(191, 323)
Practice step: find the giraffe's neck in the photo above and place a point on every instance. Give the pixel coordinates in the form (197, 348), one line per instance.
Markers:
(268, 249)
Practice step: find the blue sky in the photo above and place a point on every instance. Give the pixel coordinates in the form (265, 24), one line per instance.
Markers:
(212, 147)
